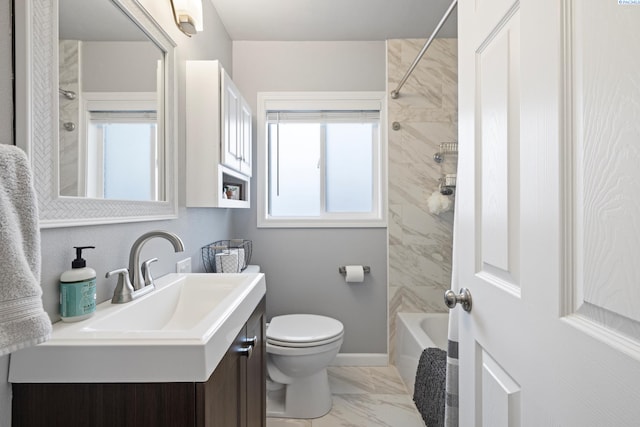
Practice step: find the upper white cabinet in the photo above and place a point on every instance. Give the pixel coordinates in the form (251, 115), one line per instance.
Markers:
(245, 137)
(218, 152)
(236, 127)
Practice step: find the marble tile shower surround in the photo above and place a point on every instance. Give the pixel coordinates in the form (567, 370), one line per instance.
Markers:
(69, 77)
(420, 243)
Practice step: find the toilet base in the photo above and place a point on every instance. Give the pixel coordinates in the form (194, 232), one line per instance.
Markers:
(308, 397)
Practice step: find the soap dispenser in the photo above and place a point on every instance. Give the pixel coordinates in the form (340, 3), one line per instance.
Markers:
(78, 289)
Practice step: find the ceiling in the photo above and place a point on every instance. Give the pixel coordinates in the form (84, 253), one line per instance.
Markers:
(95, 20)
(333, 20)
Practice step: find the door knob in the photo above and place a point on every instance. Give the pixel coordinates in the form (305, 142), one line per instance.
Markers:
(463, 298)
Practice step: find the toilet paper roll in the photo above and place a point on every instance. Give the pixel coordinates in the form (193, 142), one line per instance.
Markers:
(355, 273)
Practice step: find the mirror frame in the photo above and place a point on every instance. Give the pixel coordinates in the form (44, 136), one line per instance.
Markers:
(36, 118)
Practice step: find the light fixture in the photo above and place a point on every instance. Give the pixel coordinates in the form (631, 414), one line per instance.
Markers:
(188, 15)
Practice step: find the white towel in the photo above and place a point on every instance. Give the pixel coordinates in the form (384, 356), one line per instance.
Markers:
(23, 321)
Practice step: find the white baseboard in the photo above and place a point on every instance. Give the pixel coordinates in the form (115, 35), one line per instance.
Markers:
(361, 359)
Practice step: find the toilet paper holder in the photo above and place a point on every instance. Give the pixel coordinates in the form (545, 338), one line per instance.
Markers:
(343, 270)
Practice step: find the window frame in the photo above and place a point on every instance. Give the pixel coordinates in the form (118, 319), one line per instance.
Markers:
(319, 101)
(119, 102)
(95, 148)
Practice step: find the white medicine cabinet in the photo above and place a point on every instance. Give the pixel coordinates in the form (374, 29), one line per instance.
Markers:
(236, 127)
(218, 152)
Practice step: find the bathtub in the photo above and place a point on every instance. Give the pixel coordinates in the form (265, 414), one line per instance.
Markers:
(414, 333)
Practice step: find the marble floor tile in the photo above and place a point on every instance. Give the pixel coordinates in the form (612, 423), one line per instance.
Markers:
(290, 422)
(370, 410)
(355, 380)
(363, 397)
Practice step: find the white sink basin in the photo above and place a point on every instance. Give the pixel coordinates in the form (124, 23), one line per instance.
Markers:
(176, 333)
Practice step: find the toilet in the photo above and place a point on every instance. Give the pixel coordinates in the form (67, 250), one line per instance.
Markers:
(300, 347)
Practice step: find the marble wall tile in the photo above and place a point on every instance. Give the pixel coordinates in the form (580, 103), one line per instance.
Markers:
(420, 242)
(69, 78)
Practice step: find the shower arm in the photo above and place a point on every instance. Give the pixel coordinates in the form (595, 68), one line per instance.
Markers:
(69, 94)
(396, 92)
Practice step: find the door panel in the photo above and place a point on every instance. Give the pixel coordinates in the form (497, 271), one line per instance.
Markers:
(230, 151)
(501, 395)
(492, 193)
(497, 138)
(606, 107)
(245, 137)
(548, 201)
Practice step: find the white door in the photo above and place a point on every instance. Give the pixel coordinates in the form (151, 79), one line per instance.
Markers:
(548, 237)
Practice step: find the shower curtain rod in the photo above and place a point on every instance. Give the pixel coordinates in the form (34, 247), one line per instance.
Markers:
(396, 91)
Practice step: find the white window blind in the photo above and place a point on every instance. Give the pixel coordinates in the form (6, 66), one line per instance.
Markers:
(345, 116)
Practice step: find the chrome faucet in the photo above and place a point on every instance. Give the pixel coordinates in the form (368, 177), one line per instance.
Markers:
(140, 274)
(137, 280)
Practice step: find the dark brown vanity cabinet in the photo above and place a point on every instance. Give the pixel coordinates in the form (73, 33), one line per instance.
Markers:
(234, 395)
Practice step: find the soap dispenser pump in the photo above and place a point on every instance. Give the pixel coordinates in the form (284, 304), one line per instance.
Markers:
(78, 289)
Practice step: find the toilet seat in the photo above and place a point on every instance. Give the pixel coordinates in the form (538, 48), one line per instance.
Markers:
(303, 330)
(303, 344)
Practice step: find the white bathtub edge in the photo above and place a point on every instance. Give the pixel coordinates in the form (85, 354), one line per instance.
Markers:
(411, 340)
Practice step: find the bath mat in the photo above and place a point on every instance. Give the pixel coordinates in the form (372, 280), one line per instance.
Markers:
(429, 390)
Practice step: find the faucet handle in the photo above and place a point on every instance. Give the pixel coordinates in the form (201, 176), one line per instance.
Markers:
(146, 271)
(124, 290)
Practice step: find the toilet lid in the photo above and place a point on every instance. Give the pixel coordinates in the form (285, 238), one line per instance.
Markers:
(303, 328)
(275, 343)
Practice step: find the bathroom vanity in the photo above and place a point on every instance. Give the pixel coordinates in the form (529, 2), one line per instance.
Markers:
(190, 366)
(234, 395)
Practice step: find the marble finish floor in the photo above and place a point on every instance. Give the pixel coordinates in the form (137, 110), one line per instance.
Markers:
(363, 397)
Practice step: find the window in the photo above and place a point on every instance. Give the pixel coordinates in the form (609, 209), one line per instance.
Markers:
(117, 142)
(322, 158)
(120, 157)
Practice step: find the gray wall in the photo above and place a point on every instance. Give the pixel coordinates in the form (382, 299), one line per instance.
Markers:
(301, 265)
(196, 226)
(102, 67)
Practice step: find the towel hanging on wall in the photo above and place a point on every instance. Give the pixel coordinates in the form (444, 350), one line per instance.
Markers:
(23, 321)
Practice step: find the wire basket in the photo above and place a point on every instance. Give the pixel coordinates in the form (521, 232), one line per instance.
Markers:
(226, 256)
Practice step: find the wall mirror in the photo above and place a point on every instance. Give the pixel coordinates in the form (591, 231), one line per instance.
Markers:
(97, 117)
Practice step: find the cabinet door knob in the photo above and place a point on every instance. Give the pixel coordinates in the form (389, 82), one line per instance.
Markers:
(249, 343)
